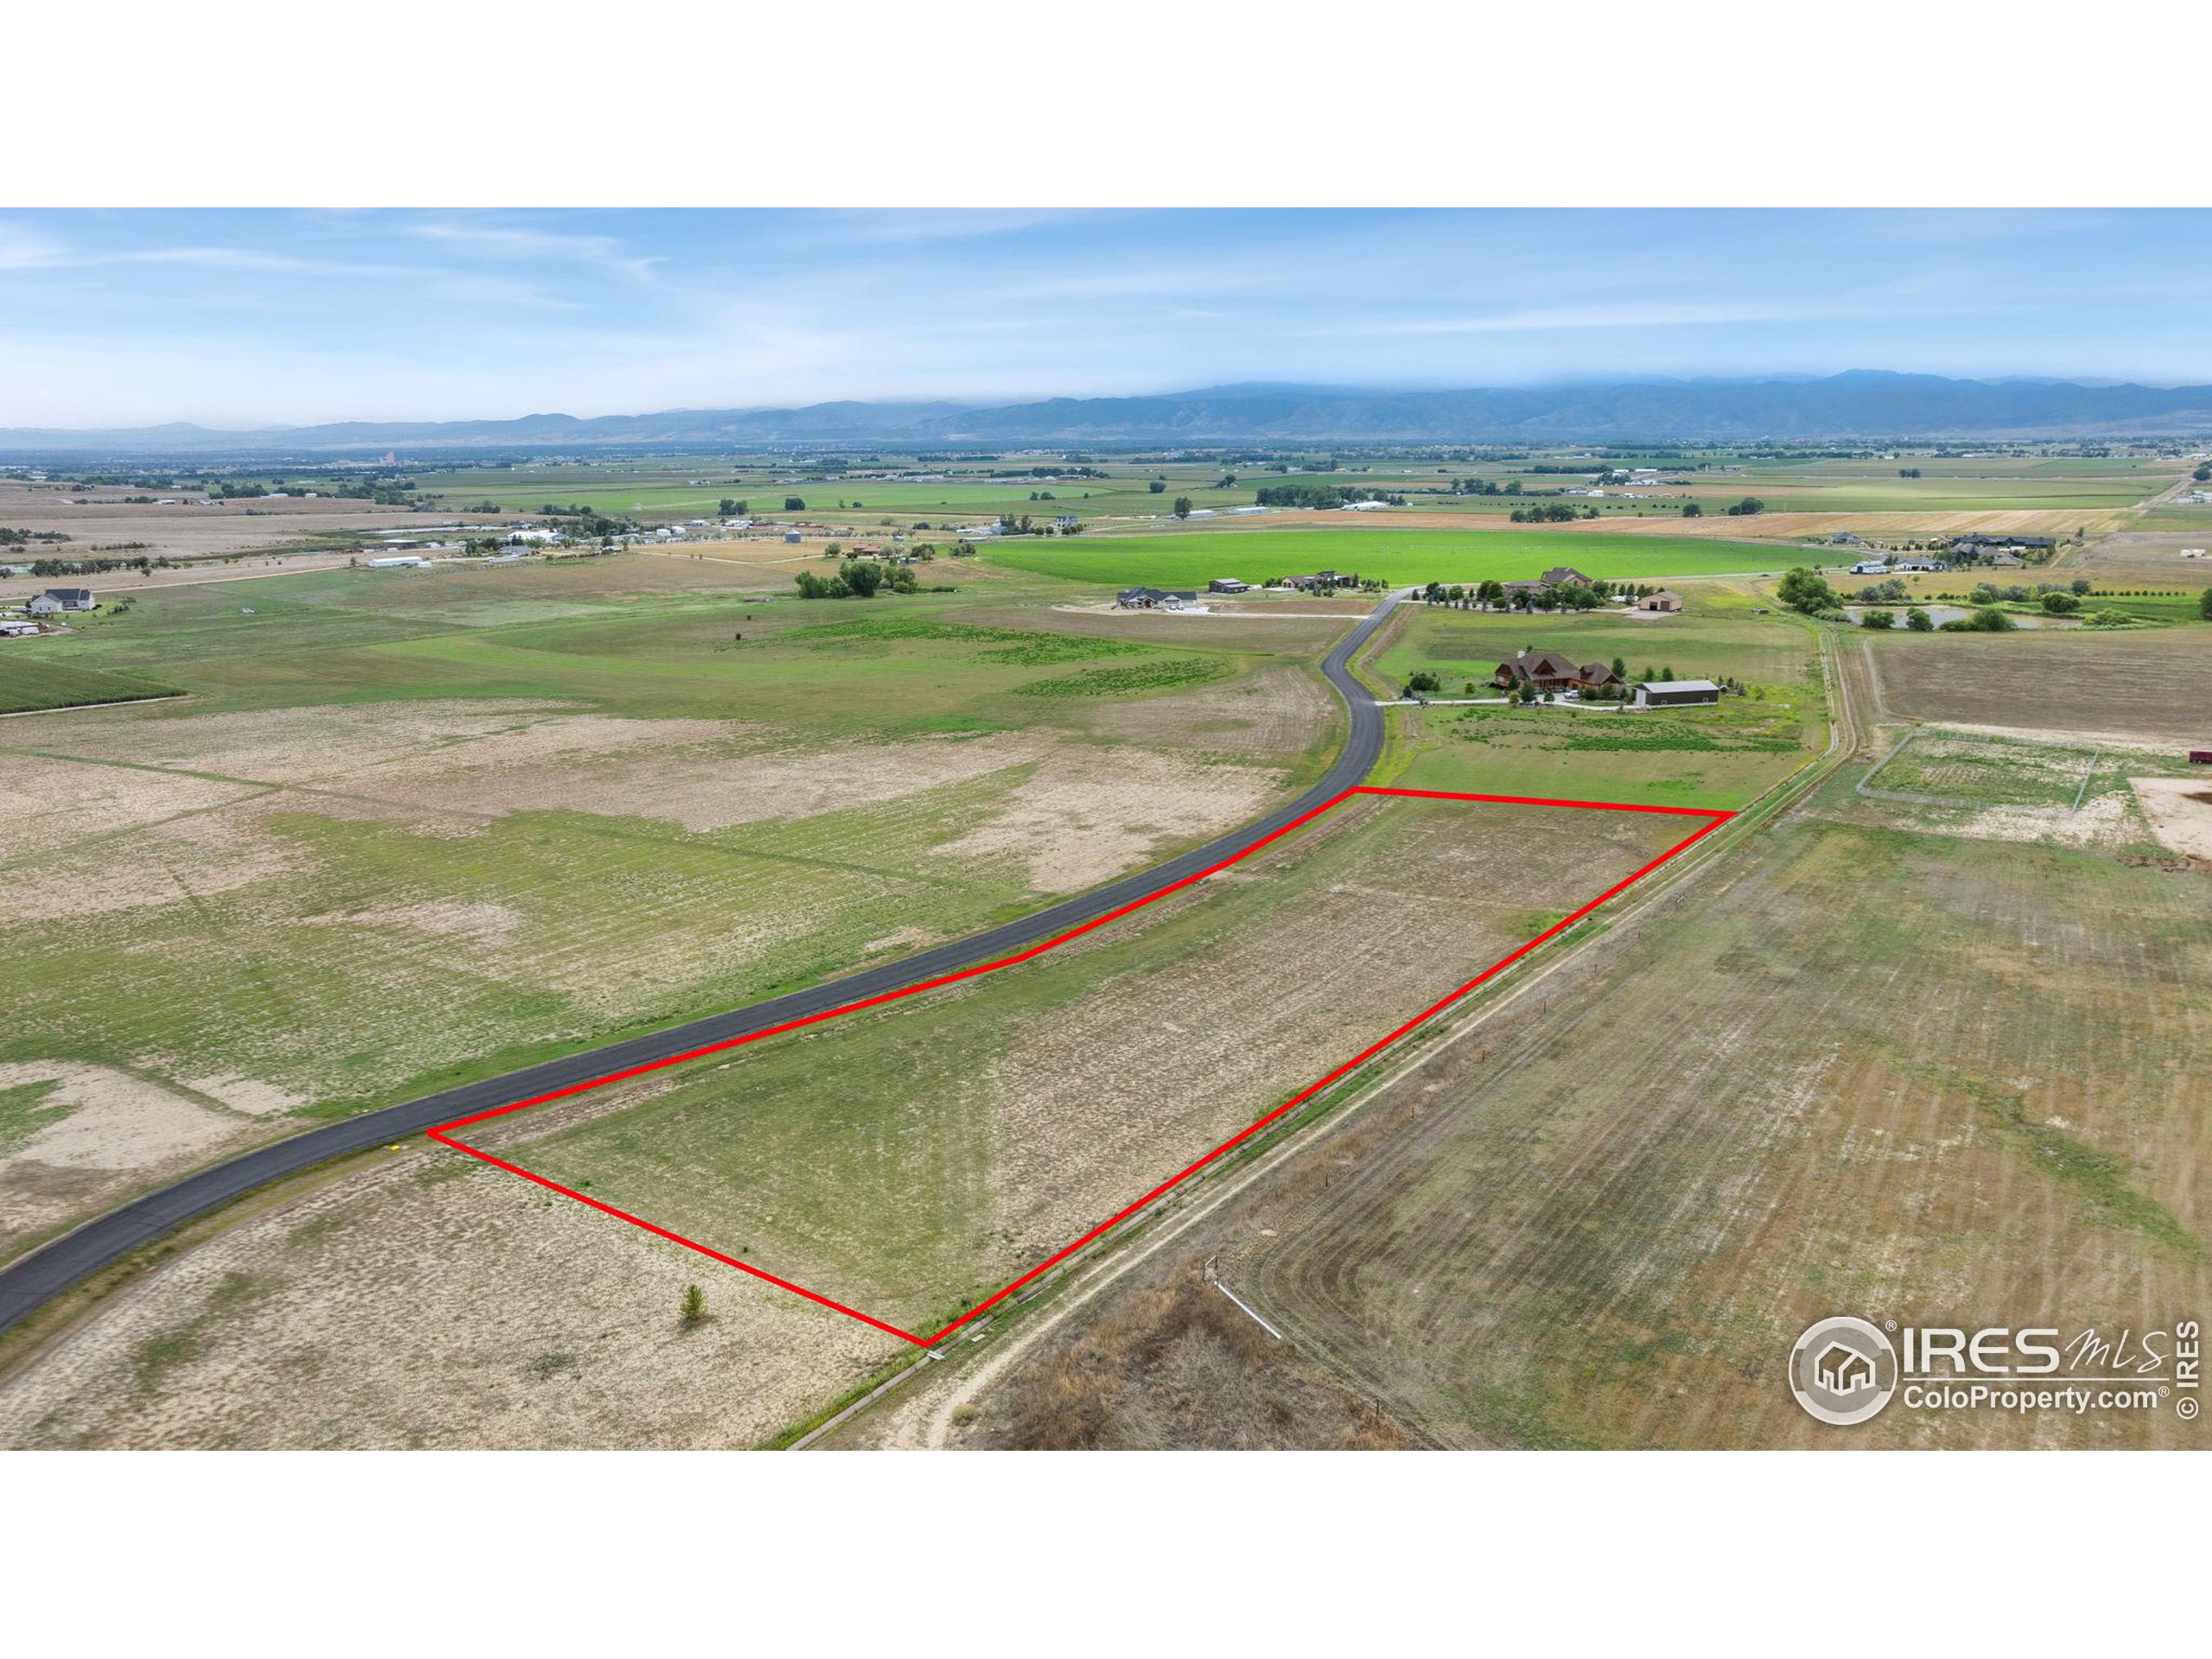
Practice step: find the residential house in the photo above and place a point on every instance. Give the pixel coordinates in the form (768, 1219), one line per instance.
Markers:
(1560, 576)
(65, 599)
(1548, 671)
(1154, 599)
(1228, 585)
(1597, 679)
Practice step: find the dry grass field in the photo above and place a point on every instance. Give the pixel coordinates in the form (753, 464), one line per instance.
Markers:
(429, 1303)
(911, 1159)
(1856, 1068)
(2145, 557)
(100, 522)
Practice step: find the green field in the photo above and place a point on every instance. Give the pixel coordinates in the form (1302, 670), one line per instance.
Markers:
(1720, 756)
(31, 678)
(407, 832)
(1386, 553)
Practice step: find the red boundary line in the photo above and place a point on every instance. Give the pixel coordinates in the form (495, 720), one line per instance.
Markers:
(1714, 818)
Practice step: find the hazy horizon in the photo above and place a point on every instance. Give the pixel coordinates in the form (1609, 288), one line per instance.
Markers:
(244, 320)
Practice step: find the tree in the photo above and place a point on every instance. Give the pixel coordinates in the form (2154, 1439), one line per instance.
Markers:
(794, 503)
(2204, 605)
(695, 1307)
(1878, 620)
(1749, 505)
(2081, 585)
(2203, 474)
(863, 576)
(1423, 681)
(1919, 621)
(2061, 604)
(1803, 590)
(1158, 486)
(732, 507)
(1620, 669)
(1182, 507)
(1691, 510)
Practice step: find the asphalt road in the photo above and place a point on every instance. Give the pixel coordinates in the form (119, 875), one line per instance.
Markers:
(30, 1283)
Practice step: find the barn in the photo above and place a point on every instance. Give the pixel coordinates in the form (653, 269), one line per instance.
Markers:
(1671, 694)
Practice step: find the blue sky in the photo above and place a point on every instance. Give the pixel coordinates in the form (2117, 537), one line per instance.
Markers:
(244, 318)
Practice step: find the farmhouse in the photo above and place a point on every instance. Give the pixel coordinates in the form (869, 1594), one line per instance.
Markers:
(62, 598)
(1320, 581)
(1154, 599)
(1921, 562)
(2003, 548)
(1667, 694)
(1228, 585)
(1661, 603)
(1546, 670)
(1598, 678)
(1561, 574)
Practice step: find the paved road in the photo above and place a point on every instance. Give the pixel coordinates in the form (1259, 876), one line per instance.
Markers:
(29, 1284)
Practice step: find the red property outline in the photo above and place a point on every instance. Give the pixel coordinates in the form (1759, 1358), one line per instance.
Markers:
(1715, 818)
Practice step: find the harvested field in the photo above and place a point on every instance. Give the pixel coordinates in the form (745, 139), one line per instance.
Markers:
(2133, 686)
(425, 1304)
(910, 1159)
(1855, 1070)
(2144, 558)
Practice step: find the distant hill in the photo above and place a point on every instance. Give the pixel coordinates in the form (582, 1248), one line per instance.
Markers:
(1861, 404)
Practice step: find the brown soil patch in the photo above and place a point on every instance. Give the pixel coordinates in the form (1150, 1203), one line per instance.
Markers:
(2180, 810)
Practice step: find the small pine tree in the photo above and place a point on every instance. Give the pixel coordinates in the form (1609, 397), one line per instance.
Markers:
(695, 1305)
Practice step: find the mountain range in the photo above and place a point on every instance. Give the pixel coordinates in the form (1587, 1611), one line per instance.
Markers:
(1862, 404)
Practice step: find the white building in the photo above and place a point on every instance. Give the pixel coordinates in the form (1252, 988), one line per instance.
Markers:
(401, 561)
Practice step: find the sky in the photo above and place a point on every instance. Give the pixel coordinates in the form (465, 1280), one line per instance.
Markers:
(242, 319)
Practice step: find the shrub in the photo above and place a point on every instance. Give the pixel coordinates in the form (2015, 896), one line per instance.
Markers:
(2061, 604)
(1878, 620)
(1919, 621)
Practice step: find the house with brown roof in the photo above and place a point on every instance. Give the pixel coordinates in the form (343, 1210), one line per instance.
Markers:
(1660, 602)
(1598, 679)
(1548, 671)
(1559, 576)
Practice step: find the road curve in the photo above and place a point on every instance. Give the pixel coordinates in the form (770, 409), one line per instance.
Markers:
(28, 1284)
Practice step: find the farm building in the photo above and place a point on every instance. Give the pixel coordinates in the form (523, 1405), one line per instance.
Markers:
(1154, 599)
(1662, 602)
(791, 536)
(1870, 568)
(1559, 576)
(1668, 694)
(1228, 585)
(62, 598)
(1980, 546)
(1320, 581)
(15, 630)
(401, 561)
(1921, 562)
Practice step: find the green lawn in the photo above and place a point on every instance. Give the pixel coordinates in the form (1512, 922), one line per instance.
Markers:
(1384, 552)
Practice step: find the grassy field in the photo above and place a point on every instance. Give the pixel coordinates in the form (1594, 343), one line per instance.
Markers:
(1383, 553)
(1720, 756)
(30, 679)
(408, 833)
(911, 1159)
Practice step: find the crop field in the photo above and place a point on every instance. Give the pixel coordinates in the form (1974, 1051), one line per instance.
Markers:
(1854, 1069)
(910, 1160)
(405, 833)
(1387, 553)
(30, 679)
(1720, 756)
(2134, 686)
